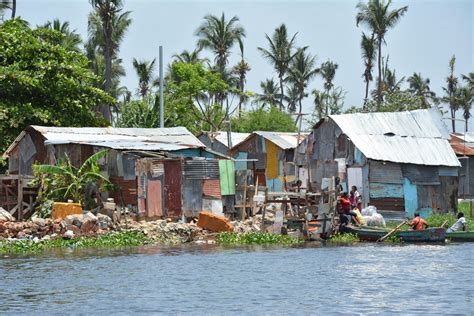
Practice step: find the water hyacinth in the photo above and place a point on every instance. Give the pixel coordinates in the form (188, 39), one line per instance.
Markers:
(255, 238)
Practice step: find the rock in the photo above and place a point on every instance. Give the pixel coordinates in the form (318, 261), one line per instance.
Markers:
(2, 228)
(54, 236)
(68, 234)
(88, 226)
(35, 240)
(104, 221)
(41, 222)
(46, 237)
(76, 230)
(5, 216)
(214, 223)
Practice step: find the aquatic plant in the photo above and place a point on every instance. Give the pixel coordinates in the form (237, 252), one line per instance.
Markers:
(344, 238)
(109, 240)
(255, 238)
(393, 239)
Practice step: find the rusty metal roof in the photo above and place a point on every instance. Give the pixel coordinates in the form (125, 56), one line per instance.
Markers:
(282, 140)
(415, 137)
(151, 139)
(462, 144)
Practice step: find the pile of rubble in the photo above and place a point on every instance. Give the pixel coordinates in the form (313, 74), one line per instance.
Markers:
(40, 228)
(164, 230)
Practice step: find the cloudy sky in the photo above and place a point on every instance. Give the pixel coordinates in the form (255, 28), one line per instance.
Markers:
(423, 41)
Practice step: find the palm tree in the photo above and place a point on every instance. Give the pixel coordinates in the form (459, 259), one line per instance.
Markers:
(70, 40)
(378, 17)
(469, 80)
(280, 54)
(7, 5)
(367, 46)
(328, 72)
(270, 94)
(219, 36)
(301, 71)
(421, 87)
(291, 97)
(450, 90)
(110, 21)
(144, 71)
(320, 101)
(464, 99)
(241, 70)
(190, 57)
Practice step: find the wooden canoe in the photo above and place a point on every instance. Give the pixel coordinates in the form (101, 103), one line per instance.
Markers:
(373, 234)
(460, 236)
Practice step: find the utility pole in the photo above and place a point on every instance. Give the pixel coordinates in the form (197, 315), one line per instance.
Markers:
(162, 106)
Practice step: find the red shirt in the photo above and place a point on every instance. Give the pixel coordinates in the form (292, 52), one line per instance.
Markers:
(419, 223)
(345, 204)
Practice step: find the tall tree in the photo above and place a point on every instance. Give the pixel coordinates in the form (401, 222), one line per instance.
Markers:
(421, 87)
(7, 5)
(320, 101)
(464, 98)
(450, 90)
(302, 70)
(280, 54)
(190, 57)
(367, 46)
(270, 94)
(144, 70)
(241, 70)
(469, 78)
(70, 39)
(109, 13)
(379, 18)
(220, 35)
(328, 72)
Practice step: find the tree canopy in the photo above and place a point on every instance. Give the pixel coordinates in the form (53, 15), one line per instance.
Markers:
(43, 83)
(264, 120)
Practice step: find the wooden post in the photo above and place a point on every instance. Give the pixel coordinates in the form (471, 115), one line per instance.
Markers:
(263, 212)
(244, 202)
(254, 210)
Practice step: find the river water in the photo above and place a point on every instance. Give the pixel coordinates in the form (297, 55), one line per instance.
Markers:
(315, 279)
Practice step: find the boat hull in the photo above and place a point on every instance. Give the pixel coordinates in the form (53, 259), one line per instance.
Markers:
(460, 236)
(425, 235)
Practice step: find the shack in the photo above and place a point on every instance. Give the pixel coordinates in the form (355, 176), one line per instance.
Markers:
(149, 166)
(218, 142)
(269, 157)
(463, 146)
(399, 161)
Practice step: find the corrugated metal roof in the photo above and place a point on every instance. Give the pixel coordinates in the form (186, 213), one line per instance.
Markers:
(282, 140)
(462, 144)
(221, 136)
(152, 139)
(415, 137)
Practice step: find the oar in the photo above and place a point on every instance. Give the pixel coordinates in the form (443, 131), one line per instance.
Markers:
(392, 231)
(444, 223)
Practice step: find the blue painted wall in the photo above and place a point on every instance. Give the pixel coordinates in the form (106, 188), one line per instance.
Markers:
(411, 197)
(385, 190)
(241, 165)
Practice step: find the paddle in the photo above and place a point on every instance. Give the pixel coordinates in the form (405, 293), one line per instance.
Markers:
(392, 231)
(444, 223)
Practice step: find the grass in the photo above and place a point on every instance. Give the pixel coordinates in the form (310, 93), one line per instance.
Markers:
(344, 238)
(109, 240)
(256, 238)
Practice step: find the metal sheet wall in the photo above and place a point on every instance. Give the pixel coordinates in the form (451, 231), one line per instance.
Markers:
(211, 188)
(172, 188)
(201, 169)
(388, 172)
(424, 175)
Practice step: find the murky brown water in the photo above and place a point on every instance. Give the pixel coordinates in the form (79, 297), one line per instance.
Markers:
(363, 279)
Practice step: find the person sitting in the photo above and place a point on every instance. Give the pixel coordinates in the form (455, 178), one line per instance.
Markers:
(460, 224)
(419, 223)
(346, 215)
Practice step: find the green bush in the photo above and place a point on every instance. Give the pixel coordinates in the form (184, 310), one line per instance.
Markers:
(257, 238)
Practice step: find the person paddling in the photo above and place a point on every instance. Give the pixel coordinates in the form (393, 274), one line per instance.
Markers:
(419, 223)
(460, 224)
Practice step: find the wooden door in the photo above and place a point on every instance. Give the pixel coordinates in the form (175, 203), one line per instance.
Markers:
(154, 198)
(172, 189)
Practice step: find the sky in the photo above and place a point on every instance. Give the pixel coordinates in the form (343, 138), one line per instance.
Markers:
(423, 41)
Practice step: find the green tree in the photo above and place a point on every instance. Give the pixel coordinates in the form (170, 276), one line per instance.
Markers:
(270, 95)
(139, 114)
(421, 87)
(396, 101)
(367, 46)
(70, 39)
(64, 181)
(145, 75)
(379, 18)
(450, 91)
(302, 70)
(192, 84)
(190, 57)
(220, 35)
(464, 98)
(271, 119)
(107, 26)
(42, 83)
(328, 72)
(241, 70)
(280, 53)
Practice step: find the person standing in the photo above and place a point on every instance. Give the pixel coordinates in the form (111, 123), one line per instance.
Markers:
(355, 198)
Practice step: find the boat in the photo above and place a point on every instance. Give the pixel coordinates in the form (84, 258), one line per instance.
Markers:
(373, 234)
(460, 236)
